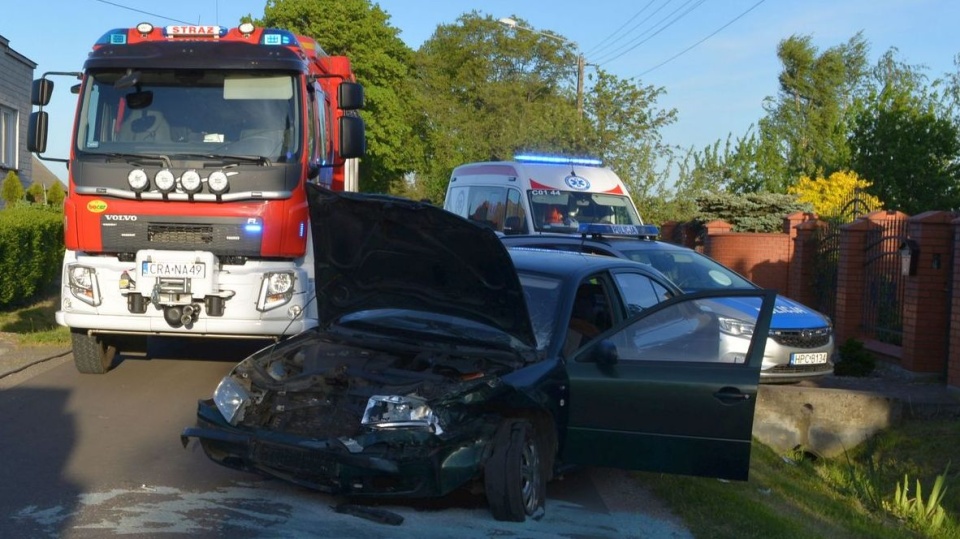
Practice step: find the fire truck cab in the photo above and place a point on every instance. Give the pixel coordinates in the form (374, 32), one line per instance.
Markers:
(186, 213)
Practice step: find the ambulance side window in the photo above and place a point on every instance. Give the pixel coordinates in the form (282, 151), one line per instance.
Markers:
(515, 221)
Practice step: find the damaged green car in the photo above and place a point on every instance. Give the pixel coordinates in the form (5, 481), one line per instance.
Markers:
(444, 361)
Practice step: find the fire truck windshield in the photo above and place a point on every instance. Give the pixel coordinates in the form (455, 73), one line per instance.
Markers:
(198, 112)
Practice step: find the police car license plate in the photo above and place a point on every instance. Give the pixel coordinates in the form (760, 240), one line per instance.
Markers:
(188, 270)
(812, 358)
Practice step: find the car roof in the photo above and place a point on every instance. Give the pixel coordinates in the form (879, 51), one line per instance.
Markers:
(615, 242)
(570, 265)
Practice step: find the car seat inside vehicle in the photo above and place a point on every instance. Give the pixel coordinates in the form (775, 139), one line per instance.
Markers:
(145, 125)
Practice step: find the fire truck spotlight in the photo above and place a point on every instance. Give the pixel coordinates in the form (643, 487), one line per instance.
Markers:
(164, 180)
(138, 180)
(217, 182)
(173, 316)
(144, 28)
(246, 28)
(190, 181)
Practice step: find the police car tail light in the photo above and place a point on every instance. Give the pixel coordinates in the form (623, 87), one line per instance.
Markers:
(276, 289)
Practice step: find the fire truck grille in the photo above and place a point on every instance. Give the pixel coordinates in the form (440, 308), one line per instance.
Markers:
(180, 235)
(223, 237)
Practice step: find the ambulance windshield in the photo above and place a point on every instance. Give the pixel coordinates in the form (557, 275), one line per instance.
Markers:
(563, 211)
(191, 112)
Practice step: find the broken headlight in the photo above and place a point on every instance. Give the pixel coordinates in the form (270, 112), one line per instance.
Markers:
(394, 411)
(231, 398)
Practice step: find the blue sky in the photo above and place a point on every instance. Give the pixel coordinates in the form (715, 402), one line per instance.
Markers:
(717, 86)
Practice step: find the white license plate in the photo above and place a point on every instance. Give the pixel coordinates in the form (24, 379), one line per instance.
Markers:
(813, 358)
(187, 270)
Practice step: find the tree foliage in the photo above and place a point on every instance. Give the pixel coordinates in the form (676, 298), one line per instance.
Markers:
(752, 212)
(489, 92)
(36, 193)
(830, 196)
(12, 190)
(906, 144)
(382, 63)
(805, 129)
(56, 195)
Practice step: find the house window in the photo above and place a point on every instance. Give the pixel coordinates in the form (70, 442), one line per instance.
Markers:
(8, 138)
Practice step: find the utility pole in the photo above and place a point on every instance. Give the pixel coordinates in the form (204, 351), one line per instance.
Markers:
(581, 64)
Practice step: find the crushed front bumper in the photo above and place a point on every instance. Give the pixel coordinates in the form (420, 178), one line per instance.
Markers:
(400, 463)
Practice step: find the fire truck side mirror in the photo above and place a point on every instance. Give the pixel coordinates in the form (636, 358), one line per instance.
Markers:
(353, 141)
(41, 92)
(37, 132)
(350, 96)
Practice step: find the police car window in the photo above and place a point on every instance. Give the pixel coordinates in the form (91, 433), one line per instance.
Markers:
(639, 292)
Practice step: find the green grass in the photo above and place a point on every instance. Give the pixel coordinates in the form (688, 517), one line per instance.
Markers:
(34, 323)
(801, 497)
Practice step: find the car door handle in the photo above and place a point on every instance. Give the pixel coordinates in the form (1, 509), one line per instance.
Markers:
(731, 395)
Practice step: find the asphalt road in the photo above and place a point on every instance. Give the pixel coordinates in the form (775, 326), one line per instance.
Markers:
(96, 456)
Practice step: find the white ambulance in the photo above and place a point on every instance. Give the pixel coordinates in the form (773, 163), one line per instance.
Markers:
(540, 194)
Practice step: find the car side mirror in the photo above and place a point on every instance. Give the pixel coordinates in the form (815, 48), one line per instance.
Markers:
(605, 353)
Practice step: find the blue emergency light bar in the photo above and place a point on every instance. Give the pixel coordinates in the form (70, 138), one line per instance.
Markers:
(273, 36)
(633, 231)
(558, 160)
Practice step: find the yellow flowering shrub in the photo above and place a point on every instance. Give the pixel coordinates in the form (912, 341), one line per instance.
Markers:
(830, 195)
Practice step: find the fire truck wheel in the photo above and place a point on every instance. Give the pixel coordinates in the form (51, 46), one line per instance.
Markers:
(91, 353)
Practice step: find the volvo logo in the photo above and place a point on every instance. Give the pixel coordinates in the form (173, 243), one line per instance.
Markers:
(120, 217)
(576, 182)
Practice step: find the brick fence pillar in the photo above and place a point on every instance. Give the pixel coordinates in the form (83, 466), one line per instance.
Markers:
(803, 263)
(925, 301)
(953, 358)
(850, 280)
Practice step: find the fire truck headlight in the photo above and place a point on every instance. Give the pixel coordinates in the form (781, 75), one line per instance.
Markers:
(164, 180)
(276, 290)
(138, 180)
(83, 284)
(190, 181)
(217, 182)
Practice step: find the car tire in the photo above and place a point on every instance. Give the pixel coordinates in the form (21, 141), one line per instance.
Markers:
(92, 354)
(514, 482)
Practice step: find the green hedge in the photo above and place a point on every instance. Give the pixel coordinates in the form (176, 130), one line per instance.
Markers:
(31, 251)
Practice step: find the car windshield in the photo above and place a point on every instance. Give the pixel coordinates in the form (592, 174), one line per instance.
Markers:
(563, 211)
(690, 270)
(192, 112)
(542, 295)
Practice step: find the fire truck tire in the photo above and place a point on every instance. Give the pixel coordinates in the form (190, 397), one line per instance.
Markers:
(91, 353)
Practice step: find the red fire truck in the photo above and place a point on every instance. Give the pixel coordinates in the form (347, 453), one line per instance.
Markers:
(187, 212)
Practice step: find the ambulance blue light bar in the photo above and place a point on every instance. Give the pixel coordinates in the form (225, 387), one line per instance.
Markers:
(558, 160)
(633, 231)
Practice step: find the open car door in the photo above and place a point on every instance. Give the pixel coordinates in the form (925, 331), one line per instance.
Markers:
(672, 389)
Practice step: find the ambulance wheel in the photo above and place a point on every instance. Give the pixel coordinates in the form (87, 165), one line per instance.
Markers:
(91, 353)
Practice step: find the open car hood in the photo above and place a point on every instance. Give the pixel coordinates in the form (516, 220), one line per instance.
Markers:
(383, 252)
